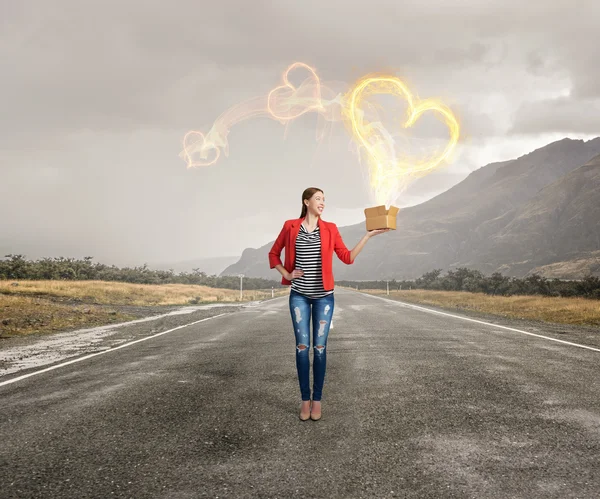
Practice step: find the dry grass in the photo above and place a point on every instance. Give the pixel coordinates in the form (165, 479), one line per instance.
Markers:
(47, 306)
(20, 315)
(122, 293)
(577, 311)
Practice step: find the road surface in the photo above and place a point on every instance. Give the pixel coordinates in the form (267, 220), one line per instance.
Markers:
(416, 404)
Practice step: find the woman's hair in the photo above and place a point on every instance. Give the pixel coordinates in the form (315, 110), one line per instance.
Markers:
(307, 194)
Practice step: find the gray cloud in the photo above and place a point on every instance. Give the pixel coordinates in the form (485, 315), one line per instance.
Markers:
(130, 64)
(562, 115)
(96, 98)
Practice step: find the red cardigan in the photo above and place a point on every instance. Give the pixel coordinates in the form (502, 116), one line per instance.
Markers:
(331, 241)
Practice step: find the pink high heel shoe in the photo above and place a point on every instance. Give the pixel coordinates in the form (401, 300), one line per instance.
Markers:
(305, 415)
(315, 416)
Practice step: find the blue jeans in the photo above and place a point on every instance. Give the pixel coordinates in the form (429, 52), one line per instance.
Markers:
(302, 309)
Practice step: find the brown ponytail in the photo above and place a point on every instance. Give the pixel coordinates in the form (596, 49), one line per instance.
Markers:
(307, 194)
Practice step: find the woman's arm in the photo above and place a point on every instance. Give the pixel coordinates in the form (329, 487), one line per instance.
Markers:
(289, 275)
(347, 256)
(275, 256)
(278, 245)
(359, 246)
(282, 271)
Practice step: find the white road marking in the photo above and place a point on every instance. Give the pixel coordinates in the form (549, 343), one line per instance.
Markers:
(482, 322)
(85, 357)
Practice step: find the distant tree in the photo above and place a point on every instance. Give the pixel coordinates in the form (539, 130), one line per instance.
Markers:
(428, 279)
(460, 279)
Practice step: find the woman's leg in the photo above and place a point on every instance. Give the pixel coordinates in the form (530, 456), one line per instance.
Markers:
(300, 310)
(322, 311)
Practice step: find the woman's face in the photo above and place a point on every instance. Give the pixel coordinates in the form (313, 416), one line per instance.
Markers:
(316, 204)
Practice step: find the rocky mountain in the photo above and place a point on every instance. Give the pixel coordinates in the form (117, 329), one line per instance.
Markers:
(512, 217)
(558, 230)
(578, 268)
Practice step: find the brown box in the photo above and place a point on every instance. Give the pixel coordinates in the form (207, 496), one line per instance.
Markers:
(380, 218)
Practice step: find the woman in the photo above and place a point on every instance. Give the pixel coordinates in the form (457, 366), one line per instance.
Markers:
(309, 245)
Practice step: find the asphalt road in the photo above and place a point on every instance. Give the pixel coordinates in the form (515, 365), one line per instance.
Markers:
(415, 404)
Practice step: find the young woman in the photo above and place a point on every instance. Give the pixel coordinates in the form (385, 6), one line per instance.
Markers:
(309, 244)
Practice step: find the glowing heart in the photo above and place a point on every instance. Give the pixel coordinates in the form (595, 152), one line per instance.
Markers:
(197, 150)
(389, 174)
(286, 102)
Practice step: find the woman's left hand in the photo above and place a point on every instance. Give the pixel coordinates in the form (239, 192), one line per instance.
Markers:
(372, 233)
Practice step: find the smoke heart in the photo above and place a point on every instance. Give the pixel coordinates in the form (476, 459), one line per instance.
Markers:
(389, 172)
(198, 150)
(286, 101)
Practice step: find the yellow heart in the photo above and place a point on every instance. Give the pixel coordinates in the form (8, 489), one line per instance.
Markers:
(385, 168)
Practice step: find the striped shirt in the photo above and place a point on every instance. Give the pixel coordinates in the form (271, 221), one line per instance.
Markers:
(308, 259)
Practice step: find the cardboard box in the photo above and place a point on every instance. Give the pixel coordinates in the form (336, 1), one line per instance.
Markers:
(380, 218)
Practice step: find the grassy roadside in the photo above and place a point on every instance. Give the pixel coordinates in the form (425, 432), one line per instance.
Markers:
(575, 311)
(21, 315)
(46, 306)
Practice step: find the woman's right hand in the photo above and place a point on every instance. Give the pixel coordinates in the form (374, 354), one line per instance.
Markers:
(294, 274)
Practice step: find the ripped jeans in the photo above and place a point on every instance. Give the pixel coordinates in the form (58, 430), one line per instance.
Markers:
(320, 310)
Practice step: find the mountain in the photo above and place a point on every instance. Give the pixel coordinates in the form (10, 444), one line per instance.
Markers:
(511, 217)
(252, 264)
(558, 229)
(578, 268)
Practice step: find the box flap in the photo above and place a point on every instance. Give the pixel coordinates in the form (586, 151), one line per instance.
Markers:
(375, 211)
(393, 211)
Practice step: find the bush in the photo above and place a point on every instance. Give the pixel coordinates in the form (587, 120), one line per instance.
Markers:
(464, 279)
(17, 267)
(460, 279)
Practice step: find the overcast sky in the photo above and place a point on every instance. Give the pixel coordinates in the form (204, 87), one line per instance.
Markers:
(97, 96)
